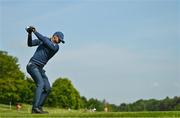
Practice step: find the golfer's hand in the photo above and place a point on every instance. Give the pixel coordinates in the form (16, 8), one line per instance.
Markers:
(30, 29)
(33, 29)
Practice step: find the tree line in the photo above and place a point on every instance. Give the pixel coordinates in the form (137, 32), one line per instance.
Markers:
(167, 104)
(15, 88)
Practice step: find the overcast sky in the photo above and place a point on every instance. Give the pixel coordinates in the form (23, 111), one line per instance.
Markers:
(116, 50)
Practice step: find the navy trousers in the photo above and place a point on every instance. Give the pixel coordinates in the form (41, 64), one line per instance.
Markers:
(42, 84)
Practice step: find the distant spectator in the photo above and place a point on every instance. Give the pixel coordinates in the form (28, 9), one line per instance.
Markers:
(93, 110)
(18, 106)
(105, 109)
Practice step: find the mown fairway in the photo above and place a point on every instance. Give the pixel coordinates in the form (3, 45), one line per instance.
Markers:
(5, 112)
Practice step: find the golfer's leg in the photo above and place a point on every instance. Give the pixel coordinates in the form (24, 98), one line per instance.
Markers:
(36, 75)
(46, 91)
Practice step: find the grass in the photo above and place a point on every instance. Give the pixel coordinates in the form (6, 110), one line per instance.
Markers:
(25, 112)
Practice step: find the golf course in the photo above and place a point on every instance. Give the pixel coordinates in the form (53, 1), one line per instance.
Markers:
(25, 112)
(89, 58)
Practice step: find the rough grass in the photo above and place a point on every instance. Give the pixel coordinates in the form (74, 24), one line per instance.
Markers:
(25, 112)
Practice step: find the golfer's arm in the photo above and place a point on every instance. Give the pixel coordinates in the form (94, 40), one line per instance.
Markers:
(31, 42)
(46, 41)
(39, 36)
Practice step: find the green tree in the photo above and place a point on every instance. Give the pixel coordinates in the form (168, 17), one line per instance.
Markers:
(9, 67)
(84, 102)
(152, 105)
(95, 103)
(166, 104)
(123, 107)
(176, 103)
(12, 90)
(13, 85)
(64, 95)
(30, 88)
(139, 105)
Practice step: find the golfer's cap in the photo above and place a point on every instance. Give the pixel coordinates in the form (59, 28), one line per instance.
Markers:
(60, 36)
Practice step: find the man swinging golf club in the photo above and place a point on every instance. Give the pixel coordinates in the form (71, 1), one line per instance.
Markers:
(47, 48)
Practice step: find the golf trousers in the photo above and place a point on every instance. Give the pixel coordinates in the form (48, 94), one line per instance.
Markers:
(42, 84)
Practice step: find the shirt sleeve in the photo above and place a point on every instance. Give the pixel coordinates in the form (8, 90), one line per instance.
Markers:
(47, 42)
(31, 42)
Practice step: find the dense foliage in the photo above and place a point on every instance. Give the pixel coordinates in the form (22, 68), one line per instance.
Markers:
(9, 68)
(167, 104)
(64, 95)
(16, 88)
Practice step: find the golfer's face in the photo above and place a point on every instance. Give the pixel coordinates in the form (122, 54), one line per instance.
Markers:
(55, 39)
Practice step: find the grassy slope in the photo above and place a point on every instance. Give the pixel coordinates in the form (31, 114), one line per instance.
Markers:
(5, 112)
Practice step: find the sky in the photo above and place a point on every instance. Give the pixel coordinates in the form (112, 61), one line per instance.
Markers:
(117, 50)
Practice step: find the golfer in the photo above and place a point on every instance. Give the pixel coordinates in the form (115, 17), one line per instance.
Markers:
(47, 48)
